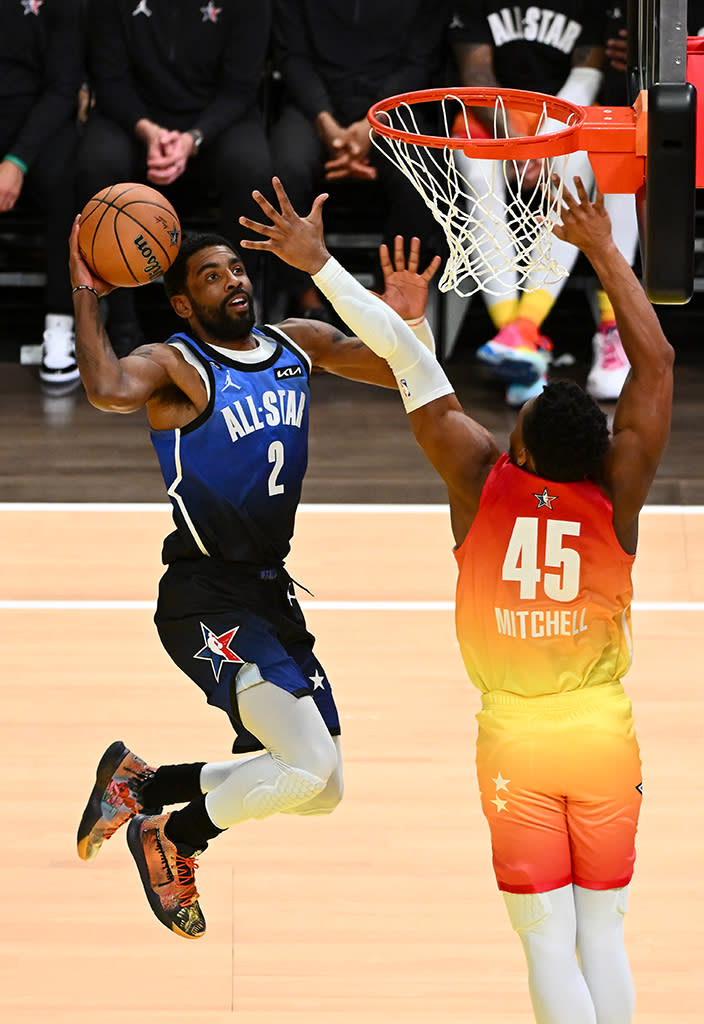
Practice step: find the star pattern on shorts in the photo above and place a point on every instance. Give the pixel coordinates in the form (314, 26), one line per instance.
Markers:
(32, 6)
(210, 12)
(317, 680)
(217, 649)
(545, 500)
(501, 783)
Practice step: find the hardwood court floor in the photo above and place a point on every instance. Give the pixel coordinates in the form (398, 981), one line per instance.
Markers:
(385, 912)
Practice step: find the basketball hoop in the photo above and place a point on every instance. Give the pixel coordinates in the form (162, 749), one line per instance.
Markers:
(498, 216)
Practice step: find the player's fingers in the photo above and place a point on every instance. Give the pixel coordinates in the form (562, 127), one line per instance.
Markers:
(316, 210)
(399, 253)
(265, 206)
(599, 202)
(432, 268)
(282, 195)
(249, 243)
(581, 190)
(385, 260)
(253, 225)
(414, 254)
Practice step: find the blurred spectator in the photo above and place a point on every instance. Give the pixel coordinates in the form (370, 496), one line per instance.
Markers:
(559, 52)
(40, 75)
(177, 87)
(336, 59)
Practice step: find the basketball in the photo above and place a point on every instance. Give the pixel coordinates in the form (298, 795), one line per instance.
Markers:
(129, 234)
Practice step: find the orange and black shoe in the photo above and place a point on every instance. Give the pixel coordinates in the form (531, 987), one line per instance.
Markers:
(168, 876)
(115, 797)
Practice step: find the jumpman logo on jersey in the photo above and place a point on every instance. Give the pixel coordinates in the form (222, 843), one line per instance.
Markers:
(545, 500)
(229, 383)
(32, 6)
(142, 8)
(211, 12)
(217, 649)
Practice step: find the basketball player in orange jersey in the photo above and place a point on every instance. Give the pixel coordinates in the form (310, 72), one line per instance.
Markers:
(545, 541)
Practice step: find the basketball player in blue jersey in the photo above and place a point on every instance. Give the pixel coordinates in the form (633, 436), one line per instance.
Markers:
(227, 403)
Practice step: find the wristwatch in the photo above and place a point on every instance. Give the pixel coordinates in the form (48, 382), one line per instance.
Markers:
(197, 136)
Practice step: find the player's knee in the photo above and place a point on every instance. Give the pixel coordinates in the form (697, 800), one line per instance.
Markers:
(292, 786)
(326, 801)
(528, 911)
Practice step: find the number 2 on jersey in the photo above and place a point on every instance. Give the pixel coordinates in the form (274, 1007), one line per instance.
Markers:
(276, 455)
(522, 565)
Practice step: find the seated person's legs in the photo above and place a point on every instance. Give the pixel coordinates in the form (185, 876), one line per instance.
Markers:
(297, 157)
(49, 184)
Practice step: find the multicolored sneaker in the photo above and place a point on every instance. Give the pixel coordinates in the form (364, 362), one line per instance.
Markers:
(518, 353)
(518, 394)
(115, 797)
(168, 876)
(610, 366)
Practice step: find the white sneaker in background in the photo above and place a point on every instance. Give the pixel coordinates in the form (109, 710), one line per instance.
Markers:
(609, 367)
(58, 365)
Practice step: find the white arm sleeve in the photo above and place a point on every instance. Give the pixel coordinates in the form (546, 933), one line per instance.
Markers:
(420, 377)
(581, 86)
(423, 332)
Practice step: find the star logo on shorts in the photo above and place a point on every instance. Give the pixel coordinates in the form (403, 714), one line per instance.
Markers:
(142, 8)
(545, 500)
(32, 6)
(217, 649)
(318, 681)
(211, 12)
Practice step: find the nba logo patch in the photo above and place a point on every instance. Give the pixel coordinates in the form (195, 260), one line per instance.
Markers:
(406, 391)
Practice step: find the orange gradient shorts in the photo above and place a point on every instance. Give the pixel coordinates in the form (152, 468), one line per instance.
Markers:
(560, 784)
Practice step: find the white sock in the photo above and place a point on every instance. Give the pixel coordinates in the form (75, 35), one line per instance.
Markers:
(602, 952)
(58, 322)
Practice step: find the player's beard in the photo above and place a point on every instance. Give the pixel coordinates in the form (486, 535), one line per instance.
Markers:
(221, 324)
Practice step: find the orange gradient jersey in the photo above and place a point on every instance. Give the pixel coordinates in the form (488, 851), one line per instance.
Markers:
(544, 587)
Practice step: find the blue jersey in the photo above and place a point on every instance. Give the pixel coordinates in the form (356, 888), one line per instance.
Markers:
(234, 474)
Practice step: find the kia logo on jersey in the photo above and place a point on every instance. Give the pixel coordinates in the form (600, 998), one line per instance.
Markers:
(283, 372)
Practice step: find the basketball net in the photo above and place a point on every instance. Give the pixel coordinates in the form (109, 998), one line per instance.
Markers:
(498, 227)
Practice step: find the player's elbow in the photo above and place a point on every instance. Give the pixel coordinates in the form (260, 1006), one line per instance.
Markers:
(111, 399)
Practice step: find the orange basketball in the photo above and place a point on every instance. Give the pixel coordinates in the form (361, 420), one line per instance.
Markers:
(129, 234)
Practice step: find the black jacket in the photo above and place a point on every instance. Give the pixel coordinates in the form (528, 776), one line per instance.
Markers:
(41, 69)
(342, 56)
(183, 64)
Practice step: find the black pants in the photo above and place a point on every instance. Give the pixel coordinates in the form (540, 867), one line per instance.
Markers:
(298, 156)
(226, 169)
(48, 185)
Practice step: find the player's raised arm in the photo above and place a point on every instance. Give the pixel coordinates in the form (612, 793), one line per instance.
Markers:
(111, 384)
(642, 418)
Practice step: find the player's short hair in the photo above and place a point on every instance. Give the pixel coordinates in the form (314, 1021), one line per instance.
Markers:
(175, 276)
(566, 433)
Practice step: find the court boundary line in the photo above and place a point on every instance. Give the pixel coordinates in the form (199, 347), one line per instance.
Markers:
(307, 508)
(68, 604)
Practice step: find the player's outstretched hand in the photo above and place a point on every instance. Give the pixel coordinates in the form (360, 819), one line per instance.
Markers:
(585, 224)
(296, 240)
(405, 290)
(80, 272)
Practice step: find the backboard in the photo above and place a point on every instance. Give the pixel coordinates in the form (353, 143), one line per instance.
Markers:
(658, 65)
